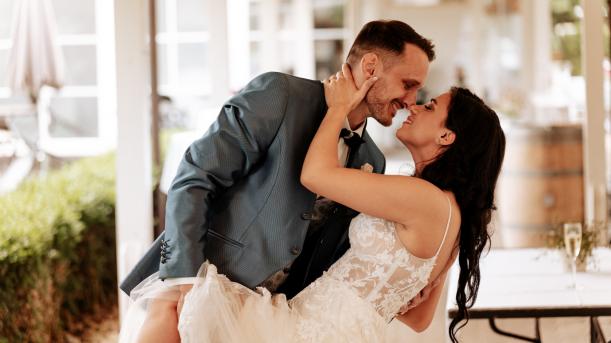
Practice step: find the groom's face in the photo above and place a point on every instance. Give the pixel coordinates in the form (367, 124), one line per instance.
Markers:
(399, 79)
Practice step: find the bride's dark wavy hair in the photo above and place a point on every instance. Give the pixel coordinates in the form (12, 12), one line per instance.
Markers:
(469, 168)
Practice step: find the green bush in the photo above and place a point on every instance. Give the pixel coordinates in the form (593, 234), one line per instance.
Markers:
(57, 252)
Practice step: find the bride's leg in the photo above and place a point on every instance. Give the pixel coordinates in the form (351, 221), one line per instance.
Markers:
(161, 323)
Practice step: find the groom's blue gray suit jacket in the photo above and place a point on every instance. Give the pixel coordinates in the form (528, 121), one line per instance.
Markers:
(237, 199)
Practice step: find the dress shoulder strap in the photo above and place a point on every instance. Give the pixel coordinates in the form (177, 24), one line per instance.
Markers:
(447, 227)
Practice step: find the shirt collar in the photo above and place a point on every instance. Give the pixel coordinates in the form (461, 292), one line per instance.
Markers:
(358, 130)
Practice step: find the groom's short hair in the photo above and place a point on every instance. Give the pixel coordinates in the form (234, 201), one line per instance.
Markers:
(389, 38)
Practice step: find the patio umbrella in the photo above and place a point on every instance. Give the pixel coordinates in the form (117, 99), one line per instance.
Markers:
(35, 58)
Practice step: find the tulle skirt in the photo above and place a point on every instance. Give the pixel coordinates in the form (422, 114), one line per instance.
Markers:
(219, 310)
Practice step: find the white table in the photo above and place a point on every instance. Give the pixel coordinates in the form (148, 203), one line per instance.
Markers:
(532, 283)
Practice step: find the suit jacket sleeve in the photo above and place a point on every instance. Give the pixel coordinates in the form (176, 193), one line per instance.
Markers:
(239, 138)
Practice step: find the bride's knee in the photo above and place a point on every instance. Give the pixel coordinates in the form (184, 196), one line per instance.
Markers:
(160, 307)
(161, 323)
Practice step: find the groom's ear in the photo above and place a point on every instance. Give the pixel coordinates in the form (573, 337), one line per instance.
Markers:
(369, 63)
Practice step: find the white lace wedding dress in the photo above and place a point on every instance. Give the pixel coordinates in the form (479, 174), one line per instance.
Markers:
(352, 302)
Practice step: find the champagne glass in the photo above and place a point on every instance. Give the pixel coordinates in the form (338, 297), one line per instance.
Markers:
(572, 245)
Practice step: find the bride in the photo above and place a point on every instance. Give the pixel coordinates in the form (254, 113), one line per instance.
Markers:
(408, 230)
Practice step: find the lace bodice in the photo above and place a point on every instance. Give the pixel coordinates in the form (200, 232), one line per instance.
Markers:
(379, 268)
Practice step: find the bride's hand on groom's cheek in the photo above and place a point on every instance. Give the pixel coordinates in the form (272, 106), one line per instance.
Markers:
(341, 90)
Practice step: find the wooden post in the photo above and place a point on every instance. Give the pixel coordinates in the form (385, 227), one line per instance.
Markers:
(595, 180)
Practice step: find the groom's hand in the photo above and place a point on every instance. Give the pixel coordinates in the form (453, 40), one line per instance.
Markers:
(420, 297)
(426, 291)
(184, 289)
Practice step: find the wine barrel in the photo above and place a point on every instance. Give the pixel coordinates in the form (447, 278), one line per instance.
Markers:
(541, 183)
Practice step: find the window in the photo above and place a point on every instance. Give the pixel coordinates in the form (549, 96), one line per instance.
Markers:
(6, 11)
(183, 41)
(330, 36)
(281, 40)
(79, 119)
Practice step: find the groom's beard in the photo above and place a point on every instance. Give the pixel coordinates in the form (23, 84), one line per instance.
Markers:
(380, 112)
(379, 108)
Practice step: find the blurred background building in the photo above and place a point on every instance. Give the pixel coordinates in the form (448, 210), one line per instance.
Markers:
(522, 56)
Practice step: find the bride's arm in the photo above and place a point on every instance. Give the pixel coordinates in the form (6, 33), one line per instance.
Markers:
(420, 317)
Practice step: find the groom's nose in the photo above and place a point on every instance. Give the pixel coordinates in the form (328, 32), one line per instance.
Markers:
(409, 98)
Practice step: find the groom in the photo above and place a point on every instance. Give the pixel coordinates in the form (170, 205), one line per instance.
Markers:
(237, 200)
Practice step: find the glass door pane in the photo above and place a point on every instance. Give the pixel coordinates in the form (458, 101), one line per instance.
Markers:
(74, 117)
(74, 17)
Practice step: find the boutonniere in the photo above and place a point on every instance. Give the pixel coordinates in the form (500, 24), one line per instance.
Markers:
(367, 168)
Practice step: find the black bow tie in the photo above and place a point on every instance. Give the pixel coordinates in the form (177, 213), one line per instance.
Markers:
(351, 138)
